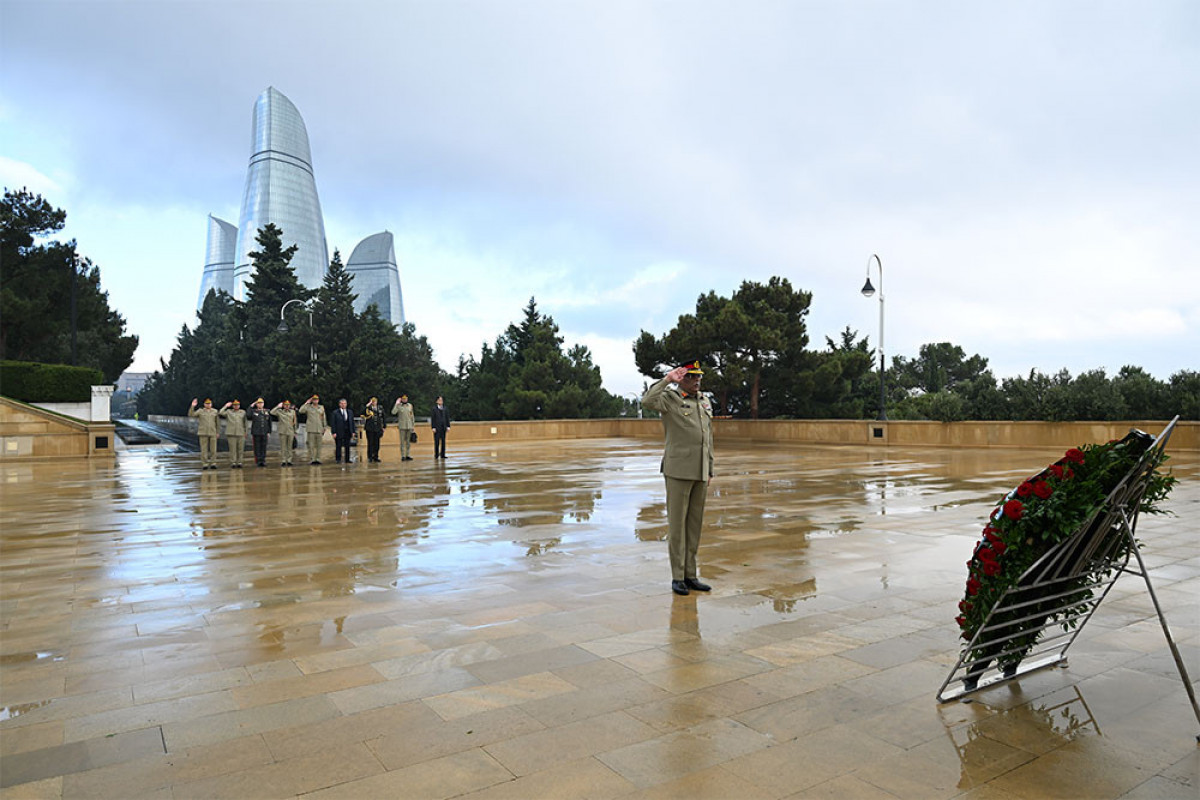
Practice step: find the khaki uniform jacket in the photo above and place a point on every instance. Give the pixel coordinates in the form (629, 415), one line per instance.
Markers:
(207, 425)
(687, 424)
(405, 420)
(235, 422)
(314, 417)
(287, 420)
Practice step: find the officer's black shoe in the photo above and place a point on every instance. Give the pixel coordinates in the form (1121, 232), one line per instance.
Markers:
(692, 583)
(679, 587)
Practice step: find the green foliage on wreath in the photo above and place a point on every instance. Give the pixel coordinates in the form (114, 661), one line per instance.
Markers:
(1041, 512)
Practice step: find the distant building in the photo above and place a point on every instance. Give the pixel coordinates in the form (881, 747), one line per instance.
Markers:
(132, 382)
(281, 189)
(376, 277)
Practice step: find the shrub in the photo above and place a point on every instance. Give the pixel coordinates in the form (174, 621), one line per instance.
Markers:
(47, 383)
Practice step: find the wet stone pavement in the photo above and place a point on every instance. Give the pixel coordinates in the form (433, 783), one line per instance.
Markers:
(500, 625)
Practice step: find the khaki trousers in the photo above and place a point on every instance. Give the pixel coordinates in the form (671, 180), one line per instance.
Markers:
(685, 515)
(237, 445)
(208, 451)
(314, 446)
(405, 442)
(285, 447)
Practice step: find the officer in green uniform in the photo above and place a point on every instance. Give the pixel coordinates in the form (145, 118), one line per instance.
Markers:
(207, 428)
(687, 467)
(407, 423)
(287, 430)
(315, 424)
(235, 431)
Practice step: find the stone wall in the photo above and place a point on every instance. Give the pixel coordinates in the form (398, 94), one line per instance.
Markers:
(29, 432)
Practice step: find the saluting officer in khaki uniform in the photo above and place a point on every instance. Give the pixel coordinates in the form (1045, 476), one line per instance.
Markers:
(207, 429)
(687, 467)
(287, 430)
(407, 423)
(315, 424)
(235, 431)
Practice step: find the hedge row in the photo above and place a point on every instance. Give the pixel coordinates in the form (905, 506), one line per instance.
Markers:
(47, 383)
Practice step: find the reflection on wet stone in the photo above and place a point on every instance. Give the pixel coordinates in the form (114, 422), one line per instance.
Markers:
(430, 616)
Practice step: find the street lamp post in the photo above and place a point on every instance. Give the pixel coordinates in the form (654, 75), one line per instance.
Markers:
(637, 402)
(283, 328)
(868, 291)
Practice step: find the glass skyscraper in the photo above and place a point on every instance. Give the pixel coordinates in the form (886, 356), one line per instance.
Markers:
(372, 265)
(281, 189)
(218, 264)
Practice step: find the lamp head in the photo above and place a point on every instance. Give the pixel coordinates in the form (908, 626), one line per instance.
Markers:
(868, 290)
(283, 326)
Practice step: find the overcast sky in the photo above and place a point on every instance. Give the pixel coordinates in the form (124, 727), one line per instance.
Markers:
(1028, 173)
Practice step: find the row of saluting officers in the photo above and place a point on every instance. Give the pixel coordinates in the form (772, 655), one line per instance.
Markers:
(256, 422)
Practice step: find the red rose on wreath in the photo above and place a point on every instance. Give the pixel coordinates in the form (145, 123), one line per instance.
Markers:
(973, 585)
(1057, 470)
(1043, 489)
(1025, 489)
(1075, 454)
(1013, 509)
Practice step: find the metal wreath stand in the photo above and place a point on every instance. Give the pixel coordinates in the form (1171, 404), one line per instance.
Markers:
(1062, 589)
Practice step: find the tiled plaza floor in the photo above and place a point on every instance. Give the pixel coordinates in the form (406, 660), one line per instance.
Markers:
(500, 625)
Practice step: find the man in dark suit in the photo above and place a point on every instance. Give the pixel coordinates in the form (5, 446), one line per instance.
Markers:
(439, 420)
(342, 425)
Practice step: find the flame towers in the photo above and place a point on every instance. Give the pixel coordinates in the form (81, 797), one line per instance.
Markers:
(281, 189)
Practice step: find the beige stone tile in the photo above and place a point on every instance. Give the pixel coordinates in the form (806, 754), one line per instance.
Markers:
(1106, 769)
(798, 716)
(803, 649)
(636, 641)
(401, 690)
(809, 760)
(147, 715)
(66, 708)
(205, 682)
(160, 771)
(713, 783)
(450, 776)
(285, 743)
(430, 737)
(583, 703)
(235, 724)
(1160, 788)
(552, 659)
(72, 757)
(676, 754)
(34, 790)
(438, 660)
(30, 737)
(690, 677)
(844, 787)
(337, 764)
(306, 685)
(355, 656)
(597, 672)
(575, 780)
(497, 695)
(808, 676)
(539, 751)
(652, 660)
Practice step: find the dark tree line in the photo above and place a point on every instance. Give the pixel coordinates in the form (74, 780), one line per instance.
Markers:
(753, 346)
(36, 294)
(526, 375)
(237, 350)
